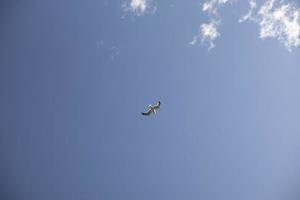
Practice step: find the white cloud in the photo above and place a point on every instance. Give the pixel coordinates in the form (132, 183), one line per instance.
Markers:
(277, 19)
(223, 1)
(194, 40)
(114, 52)
(139, 7)
(212, 6)
(249, 16)
(208, 6)
(280, 20)
(208, 32)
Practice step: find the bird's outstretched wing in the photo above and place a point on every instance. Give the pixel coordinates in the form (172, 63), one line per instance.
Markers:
(156, 106)
(147, 113)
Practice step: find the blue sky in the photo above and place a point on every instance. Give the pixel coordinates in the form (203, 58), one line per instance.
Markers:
(75, 76)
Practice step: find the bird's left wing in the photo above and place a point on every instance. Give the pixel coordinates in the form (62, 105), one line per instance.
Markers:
(147, 113)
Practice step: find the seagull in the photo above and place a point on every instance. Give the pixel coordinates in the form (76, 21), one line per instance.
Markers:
(152, 109)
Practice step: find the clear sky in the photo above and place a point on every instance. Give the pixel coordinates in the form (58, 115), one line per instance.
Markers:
(75, 76)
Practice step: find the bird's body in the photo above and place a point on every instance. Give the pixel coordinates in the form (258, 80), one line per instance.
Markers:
(152, 109)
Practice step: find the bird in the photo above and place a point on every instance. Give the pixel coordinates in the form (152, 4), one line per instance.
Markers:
(152, 109)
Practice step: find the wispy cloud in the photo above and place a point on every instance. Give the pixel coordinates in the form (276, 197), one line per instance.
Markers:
(139, 7)
(278, 19)
(208, 32)
(249, 15)
(194, 40)
(114, 53)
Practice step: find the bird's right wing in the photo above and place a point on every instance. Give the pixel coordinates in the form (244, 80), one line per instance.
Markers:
(156, 106)
(147, 113)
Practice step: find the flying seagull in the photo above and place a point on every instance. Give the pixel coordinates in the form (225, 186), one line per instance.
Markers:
(152, 109)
